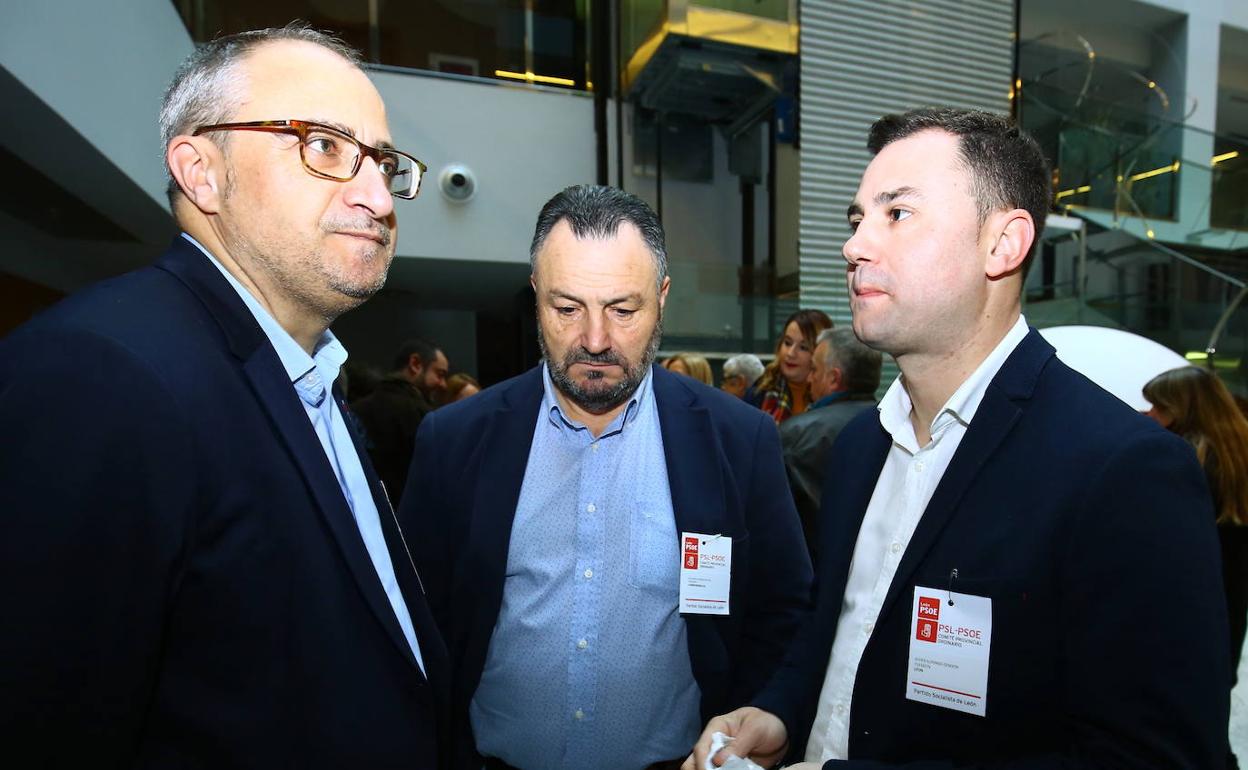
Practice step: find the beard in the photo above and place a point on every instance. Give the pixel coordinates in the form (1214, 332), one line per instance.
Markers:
(322, 280)
(377, 256)
(595, 395)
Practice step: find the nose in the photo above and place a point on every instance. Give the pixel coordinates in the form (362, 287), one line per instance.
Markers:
(594, 337)
(370, 190)
(857, 248)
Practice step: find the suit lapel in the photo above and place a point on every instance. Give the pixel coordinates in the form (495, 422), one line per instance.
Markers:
(505, 444)
(843, 508)
(697, 490)
(693, 474)
(276, 396)
(994, 419)
(432, 648)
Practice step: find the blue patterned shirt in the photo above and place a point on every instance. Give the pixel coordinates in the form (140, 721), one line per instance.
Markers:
(588, 665)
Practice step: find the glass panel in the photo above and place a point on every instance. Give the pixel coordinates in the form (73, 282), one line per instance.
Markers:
(1229, 206)
(777, 10)
(208, 19)
(534, 41)
(473, 37)
(639, 19)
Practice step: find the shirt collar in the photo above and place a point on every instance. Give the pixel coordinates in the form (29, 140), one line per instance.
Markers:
(896, 406)
(550, 405)
(301, 368)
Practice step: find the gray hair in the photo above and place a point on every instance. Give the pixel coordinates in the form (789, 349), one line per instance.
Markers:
(859, 364)
(595, 211)
(744, 365)
(210, 85)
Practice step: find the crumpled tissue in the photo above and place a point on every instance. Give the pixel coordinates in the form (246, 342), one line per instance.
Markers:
(718, 741)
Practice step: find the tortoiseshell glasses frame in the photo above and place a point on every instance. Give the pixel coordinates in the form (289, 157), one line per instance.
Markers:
(331, 153)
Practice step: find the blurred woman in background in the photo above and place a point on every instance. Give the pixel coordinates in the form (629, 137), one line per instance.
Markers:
(460, 386)
(784, 389)
(1193, 403)
(691, 365)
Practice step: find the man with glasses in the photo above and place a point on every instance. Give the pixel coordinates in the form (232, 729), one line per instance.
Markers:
(203, 570)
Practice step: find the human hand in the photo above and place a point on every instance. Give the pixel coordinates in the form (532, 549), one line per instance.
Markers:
(758, 735)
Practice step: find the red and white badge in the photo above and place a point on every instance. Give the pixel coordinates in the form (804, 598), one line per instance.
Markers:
(950, 638)
(705, 573)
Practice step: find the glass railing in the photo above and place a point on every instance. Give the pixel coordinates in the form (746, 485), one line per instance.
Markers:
(1191, 303)
(1159, 178)
(1228, 207)
(723, 308)
(543, 42)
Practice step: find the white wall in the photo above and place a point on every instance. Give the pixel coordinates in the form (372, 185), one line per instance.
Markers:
(523, 144)
(103, 66)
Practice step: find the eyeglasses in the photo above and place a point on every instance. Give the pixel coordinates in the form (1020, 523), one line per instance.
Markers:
(331, 154)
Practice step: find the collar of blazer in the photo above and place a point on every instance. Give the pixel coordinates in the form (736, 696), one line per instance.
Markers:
(1004, 403)
(275, 394)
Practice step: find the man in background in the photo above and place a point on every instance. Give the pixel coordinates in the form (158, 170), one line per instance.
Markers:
(391, 414)
(843, 382)
(740, 373)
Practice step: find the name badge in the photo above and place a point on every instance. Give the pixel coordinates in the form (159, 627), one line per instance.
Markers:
(705, 573)
(950, 636)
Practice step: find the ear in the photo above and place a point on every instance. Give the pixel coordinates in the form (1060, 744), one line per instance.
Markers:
(1013, 233)
(838, 378)
(667, 284)
(198, 167)
(414, 364)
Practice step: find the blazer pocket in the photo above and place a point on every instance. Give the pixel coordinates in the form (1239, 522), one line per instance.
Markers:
(653, 548)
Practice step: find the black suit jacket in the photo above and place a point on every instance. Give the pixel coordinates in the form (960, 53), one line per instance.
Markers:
(1091, 530)
(806, 440)
(185, 585)
(726, 476)
(391, 414)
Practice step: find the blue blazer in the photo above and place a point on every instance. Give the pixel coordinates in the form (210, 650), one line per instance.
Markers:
(726, 476)
(185, 585)
(1091, 529)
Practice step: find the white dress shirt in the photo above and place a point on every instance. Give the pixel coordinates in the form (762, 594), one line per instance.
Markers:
(902, 492)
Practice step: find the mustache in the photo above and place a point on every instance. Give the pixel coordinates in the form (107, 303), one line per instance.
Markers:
(583, 356)
(380, 230)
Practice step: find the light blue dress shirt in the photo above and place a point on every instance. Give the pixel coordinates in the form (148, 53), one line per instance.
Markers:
(312, 377)
(588, 665)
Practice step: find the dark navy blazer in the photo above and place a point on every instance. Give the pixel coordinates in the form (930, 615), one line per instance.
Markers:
(185, 585)
(1091, 529)
(726, 476)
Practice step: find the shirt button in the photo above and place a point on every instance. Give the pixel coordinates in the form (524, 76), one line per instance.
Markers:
(918, 467)
(589, 573)
(579, 715)
(840, 708)
(594, 446)
(591, 507)
(867, 627)
(895, 547)
(582, 644)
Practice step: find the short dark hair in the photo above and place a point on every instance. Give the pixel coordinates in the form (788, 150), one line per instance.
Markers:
(859, 364)
(596, 211)
(1008, 169)
(423, 348)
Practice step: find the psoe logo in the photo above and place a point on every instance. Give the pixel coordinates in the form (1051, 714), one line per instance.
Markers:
(929, 608)
(691, 553)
